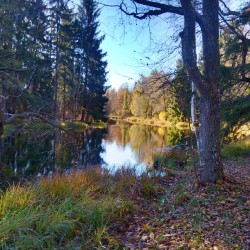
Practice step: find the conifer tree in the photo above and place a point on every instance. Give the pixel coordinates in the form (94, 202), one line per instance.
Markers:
(93, 99)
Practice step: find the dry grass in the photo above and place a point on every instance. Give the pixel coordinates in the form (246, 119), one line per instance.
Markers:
(69, 211)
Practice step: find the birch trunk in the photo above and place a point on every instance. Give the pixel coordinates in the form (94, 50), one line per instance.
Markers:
(194, 115)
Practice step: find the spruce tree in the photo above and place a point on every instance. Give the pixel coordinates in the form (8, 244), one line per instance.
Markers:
(93, 99)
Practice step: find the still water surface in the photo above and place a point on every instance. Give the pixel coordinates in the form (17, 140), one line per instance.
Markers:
(36, 153)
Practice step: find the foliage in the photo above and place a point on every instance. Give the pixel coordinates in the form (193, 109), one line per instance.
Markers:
(234, 46)
(155, 96)
(163, 116)
(67, 211)
(47, 68)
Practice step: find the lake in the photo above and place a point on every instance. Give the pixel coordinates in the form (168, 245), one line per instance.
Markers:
(30, 153)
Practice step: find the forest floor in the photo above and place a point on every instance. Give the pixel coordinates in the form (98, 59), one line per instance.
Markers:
(94, 209)
(182, 216)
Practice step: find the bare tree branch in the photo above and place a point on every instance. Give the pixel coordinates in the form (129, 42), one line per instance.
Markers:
(229, 12)
(25, 115)
(159, 8)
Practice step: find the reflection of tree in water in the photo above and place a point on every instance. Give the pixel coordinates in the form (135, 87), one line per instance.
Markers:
(91, 147)
(33, 153)
(172, 136)
(118, 133)
(143, 141)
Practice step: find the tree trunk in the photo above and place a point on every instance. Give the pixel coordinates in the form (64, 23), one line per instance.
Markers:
(64, 102)
(1, 114)
(209, 144)
(57, 63)
(2, 106)
(208, 140)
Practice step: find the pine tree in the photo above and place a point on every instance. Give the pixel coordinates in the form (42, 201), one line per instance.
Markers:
(93, 99)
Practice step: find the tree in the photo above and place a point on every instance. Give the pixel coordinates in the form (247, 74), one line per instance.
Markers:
(235, 74)
(181, 87)
(94, 64)
(45, 49)
(206, 14)
(22, 46)
(126, 103)
(140, 105)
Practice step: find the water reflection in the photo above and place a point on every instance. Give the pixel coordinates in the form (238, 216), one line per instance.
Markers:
(136, 144)
(34, 153)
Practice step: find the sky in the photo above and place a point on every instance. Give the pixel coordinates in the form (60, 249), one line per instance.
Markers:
(133, 47)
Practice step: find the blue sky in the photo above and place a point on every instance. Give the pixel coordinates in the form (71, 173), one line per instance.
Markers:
(133, 49)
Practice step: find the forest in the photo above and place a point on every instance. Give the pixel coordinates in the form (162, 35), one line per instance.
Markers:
(162, 163)
(51, 61)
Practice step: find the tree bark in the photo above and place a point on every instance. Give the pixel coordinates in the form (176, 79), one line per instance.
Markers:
(1, 114)
(208, 140)
(2, 106)
(209, 145)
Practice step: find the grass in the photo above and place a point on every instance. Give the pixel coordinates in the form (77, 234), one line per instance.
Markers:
(236, 149)
(173, 159)
(93, 209)
(69, 211)
(144, 121)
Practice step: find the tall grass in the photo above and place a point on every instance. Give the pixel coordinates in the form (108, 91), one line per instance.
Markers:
(174, 159)
(67, 211)
(236, 149)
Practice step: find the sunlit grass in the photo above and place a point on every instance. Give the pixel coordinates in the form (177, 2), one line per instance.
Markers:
(69, 211)
(150, 122)
(236, 149)
(74, 126)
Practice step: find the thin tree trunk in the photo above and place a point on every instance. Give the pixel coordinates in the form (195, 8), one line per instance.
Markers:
(194, 115)
(1, 114)
(57, 64)
(2, 106)
(77, 94)
(64, 101)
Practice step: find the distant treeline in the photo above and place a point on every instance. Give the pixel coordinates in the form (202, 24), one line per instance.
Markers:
(158, 95)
